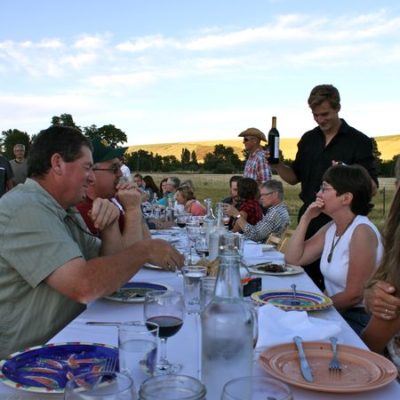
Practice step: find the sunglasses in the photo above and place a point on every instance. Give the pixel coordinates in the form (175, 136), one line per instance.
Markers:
(246, 139)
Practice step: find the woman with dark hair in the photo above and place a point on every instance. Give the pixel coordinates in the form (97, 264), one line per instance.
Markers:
(349, 246)
(163, 187)
(151, 188)
(249, 209)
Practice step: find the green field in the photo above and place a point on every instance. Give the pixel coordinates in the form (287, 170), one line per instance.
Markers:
(216, 187)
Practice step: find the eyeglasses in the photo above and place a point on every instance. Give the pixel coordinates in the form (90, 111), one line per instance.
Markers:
(266, 194)
(113, 169)
(324, 188)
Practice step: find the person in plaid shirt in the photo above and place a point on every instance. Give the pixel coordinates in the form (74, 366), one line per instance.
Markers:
(256, 166)
(275, 220)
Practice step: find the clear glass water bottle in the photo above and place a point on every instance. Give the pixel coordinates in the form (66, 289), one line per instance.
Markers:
(227, 330)
(209, 219)
(216, 232)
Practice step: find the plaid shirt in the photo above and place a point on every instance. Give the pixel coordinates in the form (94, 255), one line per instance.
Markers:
(257, 167)
(275, 220)
(253, 210)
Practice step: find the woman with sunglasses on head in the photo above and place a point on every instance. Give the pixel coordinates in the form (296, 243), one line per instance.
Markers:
(349, 246)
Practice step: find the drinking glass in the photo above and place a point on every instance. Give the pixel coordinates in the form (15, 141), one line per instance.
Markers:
(192, 230)
(100, 386)
(191, 286)
(177, 387)
(166, 308)
(181, 219)
(137, 344)
(207, 288)
(256, 388)
(201, 245)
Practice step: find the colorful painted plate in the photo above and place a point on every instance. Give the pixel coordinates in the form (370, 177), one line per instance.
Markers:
(362, 370)
(134, 292)
(287, 269)
(305, 301)
(46, 369)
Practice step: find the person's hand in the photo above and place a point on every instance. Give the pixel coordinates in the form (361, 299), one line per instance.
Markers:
(230, 210)
(314, 209)
(164, 255)
(129, 196)
(103, 213)
(381, 301)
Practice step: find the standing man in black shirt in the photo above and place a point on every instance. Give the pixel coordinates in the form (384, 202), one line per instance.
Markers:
(332, 141)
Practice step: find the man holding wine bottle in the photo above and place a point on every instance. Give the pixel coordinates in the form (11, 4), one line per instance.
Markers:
(332, 141)
(257, 166)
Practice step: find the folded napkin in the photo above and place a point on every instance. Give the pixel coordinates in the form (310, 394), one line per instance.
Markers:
(276, 326)
(263, 258)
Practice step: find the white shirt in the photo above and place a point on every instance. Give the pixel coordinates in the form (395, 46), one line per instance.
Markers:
(126, 172)
(335, 272)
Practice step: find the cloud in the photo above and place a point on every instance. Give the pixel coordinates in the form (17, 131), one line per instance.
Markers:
(147, 42)
(89, 42)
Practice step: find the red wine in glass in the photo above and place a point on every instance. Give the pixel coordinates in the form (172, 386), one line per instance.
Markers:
(167, 325)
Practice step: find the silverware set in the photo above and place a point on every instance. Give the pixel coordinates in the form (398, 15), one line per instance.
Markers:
(334, 364)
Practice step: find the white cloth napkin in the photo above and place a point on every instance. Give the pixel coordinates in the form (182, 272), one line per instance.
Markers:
(277, 326)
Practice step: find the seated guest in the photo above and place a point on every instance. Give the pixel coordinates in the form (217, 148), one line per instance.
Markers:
(124, 195)
(50, 265)
(163, 188)
(139, 183)
(151, 188)
(382, 296)
(169, 195)
(275, 220)
(349, 246)
(126, 172)
(185, 196)
(249, 209)
(234, 198)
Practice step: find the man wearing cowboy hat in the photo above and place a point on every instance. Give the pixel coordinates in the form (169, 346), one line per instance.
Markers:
(256, 166)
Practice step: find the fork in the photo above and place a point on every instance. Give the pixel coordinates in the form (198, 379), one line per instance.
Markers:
(334, 365)
(110, 365)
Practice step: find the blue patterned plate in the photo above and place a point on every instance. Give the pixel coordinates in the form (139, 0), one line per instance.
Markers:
(134, 292)
(305, 301)
(46, 369)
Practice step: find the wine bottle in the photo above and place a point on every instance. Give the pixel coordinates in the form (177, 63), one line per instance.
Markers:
(273, 143)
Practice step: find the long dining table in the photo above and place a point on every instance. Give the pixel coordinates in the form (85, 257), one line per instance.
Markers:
(185, 346)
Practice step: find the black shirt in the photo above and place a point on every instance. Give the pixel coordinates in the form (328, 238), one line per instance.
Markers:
(312, 159)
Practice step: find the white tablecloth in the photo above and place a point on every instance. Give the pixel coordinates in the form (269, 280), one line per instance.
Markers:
(184, 347)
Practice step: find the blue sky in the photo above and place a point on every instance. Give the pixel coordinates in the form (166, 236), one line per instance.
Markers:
(176, 70)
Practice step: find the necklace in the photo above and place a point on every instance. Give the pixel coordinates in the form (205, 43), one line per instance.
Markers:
(334, 244)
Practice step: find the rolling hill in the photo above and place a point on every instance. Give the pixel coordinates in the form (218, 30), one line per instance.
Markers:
(389, 146)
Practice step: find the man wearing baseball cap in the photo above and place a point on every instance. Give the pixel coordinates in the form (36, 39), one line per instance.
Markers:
(106, 167)
(256, 166)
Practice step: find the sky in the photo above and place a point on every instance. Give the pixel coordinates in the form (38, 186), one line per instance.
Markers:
(185, 70)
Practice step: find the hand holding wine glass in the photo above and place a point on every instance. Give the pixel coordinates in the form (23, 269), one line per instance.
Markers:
(166, 308)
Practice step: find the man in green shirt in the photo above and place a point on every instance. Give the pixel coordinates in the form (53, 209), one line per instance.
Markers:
(50, 264)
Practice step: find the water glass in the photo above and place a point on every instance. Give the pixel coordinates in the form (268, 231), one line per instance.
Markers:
(192, 275)
(172, 387)
(207, 287)
(137, 343)
(256, 388)
(100, 386)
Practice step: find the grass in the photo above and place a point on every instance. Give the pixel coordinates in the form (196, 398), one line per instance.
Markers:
(216, 187)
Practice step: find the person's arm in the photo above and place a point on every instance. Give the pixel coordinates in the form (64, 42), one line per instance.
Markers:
(240, 222)
(299, 250)
(378, 333)
(362, 256)
(84, 281)
(381, 301)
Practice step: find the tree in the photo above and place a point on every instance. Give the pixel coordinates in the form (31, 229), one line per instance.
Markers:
(12, 137)
(112, 135)
(222, 160)
(64, 120)
(377, 154)
(91, 131)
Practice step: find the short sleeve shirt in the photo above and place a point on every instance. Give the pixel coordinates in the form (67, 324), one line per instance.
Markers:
(36, 237)
(257, 167)
(313, 158)
(253, 210)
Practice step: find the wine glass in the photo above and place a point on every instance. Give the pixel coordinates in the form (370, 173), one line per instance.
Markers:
(100, 385)
(166, 308)
(201, 245)
(192, 230)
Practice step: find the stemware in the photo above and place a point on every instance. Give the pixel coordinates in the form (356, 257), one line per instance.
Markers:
(201, 245)
(100, 385)
(166, 308)
(192, 230)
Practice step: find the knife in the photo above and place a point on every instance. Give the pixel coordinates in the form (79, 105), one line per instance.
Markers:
(304, 366)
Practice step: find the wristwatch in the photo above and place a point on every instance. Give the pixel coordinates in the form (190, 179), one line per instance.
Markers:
(238, 216)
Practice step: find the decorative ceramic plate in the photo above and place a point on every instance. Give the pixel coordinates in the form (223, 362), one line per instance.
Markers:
(46, 369)
(134, 292)
(362, 370)
(305, 301)
(281, 270)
